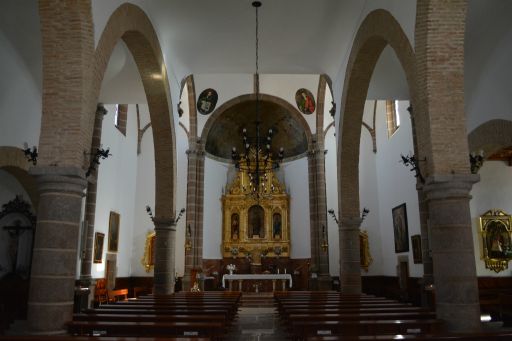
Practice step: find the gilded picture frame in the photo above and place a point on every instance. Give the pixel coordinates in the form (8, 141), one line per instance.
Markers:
(400, 228)
(416, 249)
(148, 260)
(496, 232)
(98, 247)
(364, 250)
(113, 232)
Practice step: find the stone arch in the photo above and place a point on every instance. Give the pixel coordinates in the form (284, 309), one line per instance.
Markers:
(251, 97)
(491, 136)
(13, 161)
(378, 30)
(129, 23)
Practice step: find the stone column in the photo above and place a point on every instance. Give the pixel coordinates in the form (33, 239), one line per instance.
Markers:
(90, 203)
(164, 271)
(318, 214)
(428, 275)
(194, 219)
(456, 286)
(350, 258)
(52, 280)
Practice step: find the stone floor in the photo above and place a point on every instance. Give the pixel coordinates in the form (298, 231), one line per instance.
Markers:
(257, 320)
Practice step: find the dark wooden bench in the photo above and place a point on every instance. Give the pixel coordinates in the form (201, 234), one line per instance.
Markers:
(505, 304)
(494, 336)
(150, 317)
(96, 338)
(213, 330)
(303, 329)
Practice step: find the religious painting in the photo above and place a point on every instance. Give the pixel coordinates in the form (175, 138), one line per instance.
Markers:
(98, 247)
(416, 249)
(400, 228)
(113, 232)
(276, 226)
(256, 222)
(496, 230)
(235, 226)
(305, 101)
(207, 101)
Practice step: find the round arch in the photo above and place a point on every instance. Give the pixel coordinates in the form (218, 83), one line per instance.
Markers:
(252, 97)
(130, 24)
(13, 161)
(378, 30)
(491, 136)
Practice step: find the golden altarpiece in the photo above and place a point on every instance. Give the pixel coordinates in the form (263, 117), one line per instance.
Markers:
(256, 213)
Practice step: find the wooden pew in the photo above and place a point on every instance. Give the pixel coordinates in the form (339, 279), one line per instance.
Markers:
(213, 330)
(484, 336)
(96, 338)
(117, 295)
(303, 329)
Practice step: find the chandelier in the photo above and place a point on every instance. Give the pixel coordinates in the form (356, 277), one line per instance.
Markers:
(256, 159)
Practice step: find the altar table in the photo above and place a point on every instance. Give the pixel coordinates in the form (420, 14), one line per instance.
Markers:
(241, 277)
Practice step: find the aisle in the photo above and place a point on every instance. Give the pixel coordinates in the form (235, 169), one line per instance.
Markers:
(257, 320)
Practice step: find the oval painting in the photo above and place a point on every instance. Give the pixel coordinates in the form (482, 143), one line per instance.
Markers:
(305, 101)
(207, 101)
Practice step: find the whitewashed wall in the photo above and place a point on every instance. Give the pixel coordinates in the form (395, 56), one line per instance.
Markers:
(394, 184)
(20, 99)
(369, 194)
(297, 184)
(215, 181)
(116, 188)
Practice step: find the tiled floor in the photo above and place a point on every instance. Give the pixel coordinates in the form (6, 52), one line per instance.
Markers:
(254, 324)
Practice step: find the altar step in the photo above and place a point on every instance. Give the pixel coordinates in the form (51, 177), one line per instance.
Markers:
(257, 300)
(256, 324)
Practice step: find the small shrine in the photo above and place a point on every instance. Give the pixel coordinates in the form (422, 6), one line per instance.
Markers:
(256, 213)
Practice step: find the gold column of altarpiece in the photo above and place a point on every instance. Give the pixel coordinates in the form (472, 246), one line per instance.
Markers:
(256, 217)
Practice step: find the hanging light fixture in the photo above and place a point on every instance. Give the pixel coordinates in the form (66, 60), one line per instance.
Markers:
(257, 159)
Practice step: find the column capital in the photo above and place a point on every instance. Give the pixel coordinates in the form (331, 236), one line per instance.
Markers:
(60, 179)
(164, 223)
(444, 186)
(350, 223)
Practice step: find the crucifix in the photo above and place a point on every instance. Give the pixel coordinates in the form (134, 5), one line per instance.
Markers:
(15, 232)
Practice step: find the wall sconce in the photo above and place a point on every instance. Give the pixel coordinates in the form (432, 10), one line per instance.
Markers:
(410, 160)
(100, 154)
(180, 111)
(325, 244)
(476, 161)
(150, 213)
(332, 111)
(188, 239)
(364, 213)
(333, 215)
(30, 154)
(179, 215)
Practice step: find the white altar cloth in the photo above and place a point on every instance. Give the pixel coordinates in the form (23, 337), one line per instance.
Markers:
(239, 277)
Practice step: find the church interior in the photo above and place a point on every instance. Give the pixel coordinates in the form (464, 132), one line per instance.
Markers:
(237, 149)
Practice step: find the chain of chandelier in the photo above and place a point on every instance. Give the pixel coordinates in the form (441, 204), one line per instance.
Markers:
(256, 158)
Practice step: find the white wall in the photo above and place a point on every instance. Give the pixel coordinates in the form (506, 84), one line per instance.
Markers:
(116, 188)
(394, 185)
(20, 99)
(215, 180)
(369, 194)
(492, 192)
(297, 185)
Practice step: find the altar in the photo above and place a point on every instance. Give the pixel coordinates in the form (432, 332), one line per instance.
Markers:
(273, 277)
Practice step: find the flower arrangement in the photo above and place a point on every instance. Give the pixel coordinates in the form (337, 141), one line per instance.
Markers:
(231, 268)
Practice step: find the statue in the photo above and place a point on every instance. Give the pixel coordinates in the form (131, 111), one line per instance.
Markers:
(235, 230)
(276, 226)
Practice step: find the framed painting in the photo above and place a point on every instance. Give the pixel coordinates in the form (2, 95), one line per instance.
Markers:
(305, 101)
(400, 228)
(416, 249)
(98, 247)
(113, 232)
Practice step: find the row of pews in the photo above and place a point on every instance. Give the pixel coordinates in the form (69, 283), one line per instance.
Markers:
(324, 316)
(183, 314)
